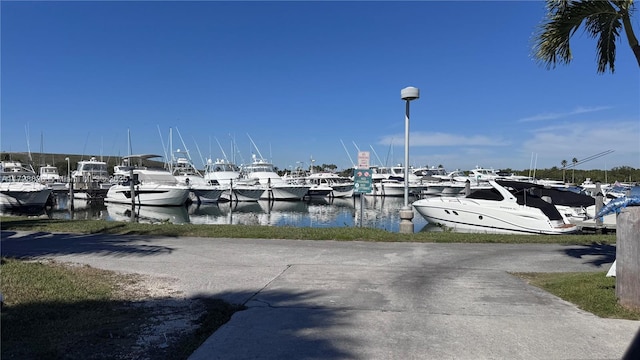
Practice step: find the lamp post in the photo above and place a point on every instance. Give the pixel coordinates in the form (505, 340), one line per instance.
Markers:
(406, 213)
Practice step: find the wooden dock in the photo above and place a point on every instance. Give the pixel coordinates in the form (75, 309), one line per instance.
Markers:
(591, 227)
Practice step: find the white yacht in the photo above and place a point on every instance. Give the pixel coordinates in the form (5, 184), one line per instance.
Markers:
(227, 174)
(389, 181)
(591, 187)
(19, 187)
(330, 185)
(50, 177)
(496, 210)
(186, 173)
(479, 174)
(91, 178)
(275, 186)
(151, 186)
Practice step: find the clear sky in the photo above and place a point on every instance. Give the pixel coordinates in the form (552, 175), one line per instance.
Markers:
(303, 78)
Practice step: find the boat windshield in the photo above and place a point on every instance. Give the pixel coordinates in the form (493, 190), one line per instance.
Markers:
(158, 177)
(92, 167)
(219, 167)
(486, 194)
(260, 168)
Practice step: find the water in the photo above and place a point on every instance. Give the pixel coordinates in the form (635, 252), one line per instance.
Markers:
(378, 212)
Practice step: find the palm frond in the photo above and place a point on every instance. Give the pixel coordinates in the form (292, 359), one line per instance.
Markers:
(606, 28)
(564, 18)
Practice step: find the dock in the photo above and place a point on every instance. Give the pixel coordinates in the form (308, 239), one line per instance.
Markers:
(590, 226)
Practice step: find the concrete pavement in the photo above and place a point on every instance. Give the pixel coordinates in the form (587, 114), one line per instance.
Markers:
(359, 300)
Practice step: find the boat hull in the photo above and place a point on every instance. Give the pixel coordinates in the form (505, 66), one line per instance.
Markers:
(341, 191)
(396, 189)
(156, 195)
(243, 193)
(22, 195)
(205, 194)
(319, 191)
(475, 216)
(285, 192)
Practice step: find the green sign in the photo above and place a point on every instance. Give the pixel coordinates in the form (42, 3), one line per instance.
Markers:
(362, 180)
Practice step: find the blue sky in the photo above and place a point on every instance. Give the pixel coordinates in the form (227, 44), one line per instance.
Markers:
(303, 78)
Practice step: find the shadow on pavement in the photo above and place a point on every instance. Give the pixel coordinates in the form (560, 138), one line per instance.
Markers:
(16, 244)
(280, 325)
(602, 253)
(169, 328)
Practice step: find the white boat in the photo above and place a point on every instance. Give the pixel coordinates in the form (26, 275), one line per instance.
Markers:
(227, 174)
(186, 173)
(427, 172)
(90, 179)
(50, 177)
(90, 171)
(591, 187)
(19, 187)
(151, 186)
(389, 181)
(276, 188)
(572, 205)
(496, 210)
(328, 184)
(478, 175)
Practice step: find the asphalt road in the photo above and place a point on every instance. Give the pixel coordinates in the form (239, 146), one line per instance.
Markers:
(360, 300)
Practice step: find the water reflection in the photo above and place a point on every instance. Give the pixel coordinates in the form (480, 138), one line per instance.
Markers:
(378, 212)
(148, 214)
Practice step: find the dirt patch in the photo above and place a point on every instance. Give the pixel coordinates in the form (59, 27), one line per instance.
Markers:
(165, 319)
(145, 318)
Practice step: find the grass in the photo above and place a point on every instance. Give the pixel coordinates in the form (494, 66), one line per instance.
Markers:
(592, 292)
(72, 301)
(49, 308)
(294, 233)
(55, 311)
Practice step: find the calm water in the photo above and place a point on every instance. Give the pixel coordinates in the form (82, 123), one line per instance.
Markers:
(378, 212)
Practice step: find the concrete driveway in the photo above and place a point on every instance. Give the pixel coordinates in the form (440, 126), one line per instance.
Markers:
(360, 300)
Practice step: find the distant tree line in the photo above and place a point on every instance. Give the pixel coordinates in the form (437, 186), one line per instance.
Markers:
(622, 174)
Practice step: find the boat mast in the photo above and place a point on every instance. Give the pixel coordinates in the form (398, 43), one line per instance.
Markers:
(254, 145)
(164, 149)
(345, 150)
(221, 149)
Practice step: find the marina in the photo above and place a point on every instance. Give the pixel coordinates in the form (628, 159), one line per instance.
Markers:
(378, 212)
(483, 200)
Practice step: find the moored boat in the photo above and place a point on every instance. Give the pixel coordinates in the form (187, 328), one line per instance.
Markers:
(275, 187)
(149, 186)
(227, 174)
(499, 209)
(186, 173)
(50, 177)
(19, 187)
(330, 185)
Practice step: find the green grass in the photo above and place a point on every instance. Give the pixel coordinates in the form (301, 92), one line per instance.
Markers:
(49, 308)
(58, 311)
(277, 232)
(592, 292)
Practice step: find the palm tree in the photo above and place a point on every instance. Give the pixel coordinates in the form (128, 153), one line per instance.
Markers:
(574, 161)
(564, 168)
(602, 19)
